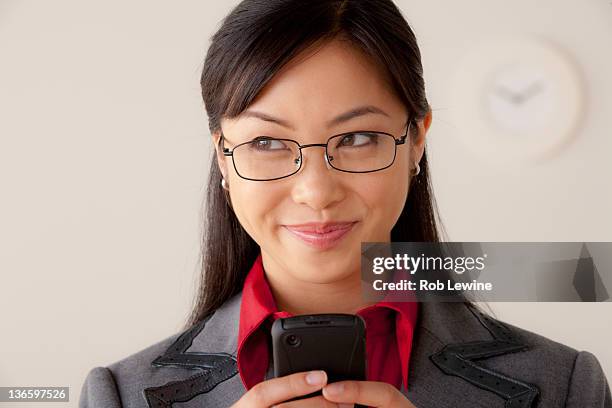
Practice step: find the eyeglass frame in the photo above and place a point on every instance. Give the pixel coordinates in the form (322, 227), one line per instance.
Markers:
(227, 152)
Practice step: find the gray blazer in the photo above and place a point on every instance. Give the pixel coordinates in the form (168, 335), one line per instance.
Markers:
(460, 358)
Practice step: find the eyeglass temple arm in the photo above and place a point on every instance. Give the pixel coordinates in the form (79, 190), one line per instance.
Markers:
(226, 151)
(402, 139)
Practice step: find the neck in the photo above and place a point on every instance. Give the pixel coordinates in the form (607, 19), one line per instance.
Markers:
(298, 297)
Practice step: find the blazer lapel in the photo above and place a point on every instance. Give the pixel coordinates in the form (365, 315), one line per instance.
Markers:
(209, 349)
(446, 366)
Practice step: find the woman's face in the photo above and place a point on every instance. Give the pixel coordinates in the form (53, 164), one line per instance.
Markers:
(306, 95)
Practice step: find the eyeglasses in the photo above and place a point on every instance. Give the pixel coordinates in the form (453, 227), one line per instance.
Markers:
(267, 158)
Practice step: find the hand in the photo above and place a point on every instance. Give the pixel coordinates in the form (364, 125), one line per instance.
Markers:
(276, 391)
(376, 394)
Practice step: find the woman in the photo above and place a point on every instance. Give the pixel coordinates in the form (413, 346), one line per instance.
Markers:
(333, 75)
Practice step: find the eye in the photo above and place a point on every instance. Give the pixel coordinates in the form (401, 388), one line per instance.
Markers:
(358, 139)
(266, 143)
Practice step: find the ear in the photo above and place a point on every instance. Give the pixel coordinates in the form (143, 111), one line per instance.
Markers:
(221, 159)
(418, 143)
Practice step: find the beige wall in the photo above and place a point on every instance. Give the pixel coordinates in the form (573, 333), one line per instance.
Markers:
(104, 151)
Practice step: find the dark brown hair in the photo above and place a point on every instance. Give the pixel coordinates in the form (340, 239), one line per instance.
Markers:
(254, 41)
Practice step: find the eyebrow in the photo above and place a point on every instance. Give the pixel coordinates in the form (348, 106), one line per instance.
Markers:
(342, 118)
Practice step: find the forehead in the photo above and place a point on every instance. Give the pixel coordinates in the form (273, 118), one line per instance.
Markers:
(325, 80)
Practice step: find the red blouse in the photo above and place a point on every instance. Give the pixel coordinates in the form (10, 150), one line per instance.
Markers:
(389, 331)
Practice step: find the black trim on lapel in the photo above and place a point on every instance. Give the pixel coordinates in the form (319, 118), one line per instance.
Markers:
(459, 359)
(213, 368)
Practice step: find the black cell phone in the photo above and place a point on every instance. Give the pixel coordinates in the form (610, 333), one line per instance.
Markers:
(331, 342)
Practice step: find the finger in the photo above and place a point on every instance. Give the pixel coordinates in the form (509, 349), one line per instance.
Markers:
(276, 390)
(371, 393)
(314, 402)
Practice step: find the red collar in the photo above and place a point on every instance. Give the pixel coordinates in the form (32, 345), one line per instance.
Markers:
(258, 305)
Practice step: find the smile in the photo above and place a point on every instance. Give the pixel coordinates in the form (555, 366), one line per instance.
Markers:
(324, 240)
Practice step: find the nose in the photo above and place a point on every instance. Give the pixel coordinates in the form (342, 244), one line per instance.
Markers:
(304, 147)
(316, 184)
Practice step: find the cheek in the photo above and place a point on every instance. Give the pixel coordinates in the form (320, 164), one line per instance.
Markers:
(400, 180)
(385, 195)
(254, 205)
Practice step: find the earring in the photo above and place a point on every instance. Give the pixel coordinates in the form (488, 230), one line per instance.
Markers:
(224, 184)
(417, 169)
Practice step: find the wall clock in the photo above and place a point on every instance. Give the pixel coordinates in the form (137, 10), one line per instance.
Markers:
(517, 99)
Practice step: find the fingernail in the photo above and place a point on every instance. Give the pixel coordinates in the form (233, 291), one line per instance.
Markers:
(335, 388)
(315, 377)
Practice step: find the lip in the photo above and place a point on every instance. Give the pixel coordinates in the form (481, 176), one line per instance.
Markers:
(320, 227)
(321, 235)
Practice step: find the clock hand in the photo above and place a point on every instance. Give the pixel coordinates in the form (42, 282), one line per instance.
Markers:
(507, 94)
(531, 91)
